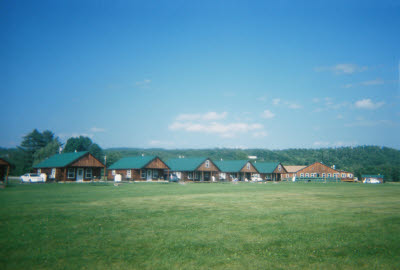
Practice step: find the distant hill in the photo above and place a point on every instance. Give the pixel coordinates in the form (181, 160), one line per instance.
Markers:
(360, 160)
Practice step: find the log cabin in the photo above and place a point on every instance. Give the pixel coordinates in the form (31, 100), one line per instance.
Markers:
(139, 168)
(235, 170)
(270, 171)
(4, 170)
(193, 169)
(75, 166)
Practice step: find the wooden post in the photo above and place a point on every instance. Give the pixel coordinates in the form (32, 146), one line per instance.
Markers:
(202, 176)
(65, 174)
(6, 181)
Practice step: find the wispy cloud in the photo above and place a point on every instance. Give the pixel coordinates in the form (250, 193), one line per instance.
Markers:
(342, 68)
(276, 101)
(66, 136)
(96, 129)
(209, 116)
(143, 84)
(366, 83)
(267, 114)
(368, 104)
(223, 130)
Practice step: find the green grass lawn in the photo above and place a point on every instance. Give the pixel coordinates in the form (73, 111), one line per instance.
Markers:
(200, 226)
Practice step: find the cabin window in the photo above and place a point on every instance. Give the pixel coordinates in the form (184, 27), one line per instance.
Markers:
(53, 173)
(88, 173)
(190, 175)
(335, 175)
(143, 175)
(248, 166)
(113, 172)
(343, 175)
(279, 168)
(71, 173)
(324, 175)
(302, 175)
(287, 175)
(196, 175)
(128, 173)
(307, 175)
(155, 174)
(207, 164)
(39, 171)
(350, 175)
(329, 175)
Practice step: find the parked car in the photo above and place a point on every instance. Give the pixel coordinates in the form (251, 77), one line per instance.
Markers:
(173, 178)
(371, 181)
(256, 178)
(33, 178)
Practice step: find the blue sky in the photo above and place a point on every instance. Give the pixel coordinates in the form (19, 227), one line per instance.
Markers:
(180, 74)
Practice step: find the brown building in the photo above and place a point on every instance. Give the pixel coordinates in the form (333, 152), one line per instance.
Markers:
(193, 169)
(270, 171)
(318, 169)
(4, 170)
(291, 171)
(140, 168)
(76, 166)
(235, 169)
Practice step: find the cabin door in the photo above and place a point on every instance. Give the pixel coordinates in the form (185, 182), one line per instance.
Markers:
(148, 175)
(79, 174)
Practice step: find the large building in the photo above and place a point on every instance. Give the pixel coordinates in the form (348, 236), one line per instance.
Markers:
(76, 166)
(319, 170)
(145, 168)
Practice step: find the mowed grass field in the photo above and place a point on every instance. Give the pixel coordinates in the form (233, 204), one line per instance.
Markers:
(200, 226)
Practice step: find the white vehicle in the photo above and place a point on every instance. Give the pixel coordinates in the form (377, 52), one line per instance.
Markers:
(371, 181)
(33, 178)
(256, 178)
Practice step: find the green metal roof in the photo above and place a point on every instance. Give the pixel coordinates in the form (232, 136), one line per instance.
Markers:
(231, 165)
(132, 162)
(185, 164)
(372, 176)
(266, 167)
(60, 160)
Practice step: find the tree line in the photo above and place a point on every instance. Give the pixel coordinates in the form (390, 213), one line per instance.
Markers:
(37, 146)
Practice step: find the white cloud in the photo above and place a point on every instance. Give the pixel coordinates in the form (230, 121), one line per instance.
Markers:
(263, 98)
(268, 114)
(321, 144)
(339, 116)
(144, 84)
(368, 104)
(223, 130)
(294, 106)
(96, 129)
(366, 83)
(260, 134)
(66, 136)
(342, 68)
(315, 100)
(210, 116)
(276, 101)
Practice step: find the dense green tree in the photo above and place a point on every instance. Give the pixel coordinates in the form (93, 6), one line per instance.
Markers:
(96, 151)
(50, 149)
(78, 144)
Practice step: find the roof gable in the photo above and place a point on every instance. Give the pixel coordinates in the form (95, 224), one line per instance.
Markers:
(60, 160)
(231, 165)
(293, 169)
(137, 162)
(4, 162)
(185, 164)
(266, 167)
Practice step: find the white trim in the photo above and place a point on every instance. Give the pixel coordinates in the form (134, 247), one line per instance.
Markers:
(113, 172)
(207, 163)
(71, 173)
(143, 174)
(324, 175)
(53, 173)
(248, 165)
(87, 174)
(128, 173)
